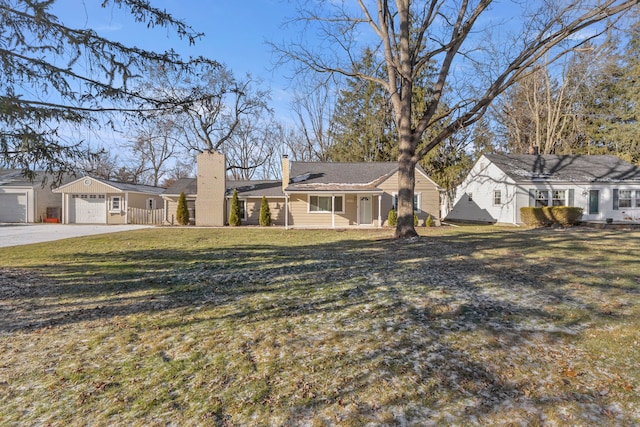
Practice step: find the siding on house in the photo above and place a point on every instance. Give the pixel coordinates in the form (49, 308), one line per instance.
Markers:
(252, 210)
(518, 177)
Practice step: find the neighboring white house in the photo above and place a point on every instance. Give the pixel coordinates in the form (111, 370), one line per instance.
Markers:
(498, 185)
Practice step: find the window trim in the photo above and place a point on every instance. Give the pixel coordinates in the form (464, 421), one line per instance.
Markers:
(112, 200)
(417, 200)
(330, 196)
(630, 199)
(497, 201)
(564, 200)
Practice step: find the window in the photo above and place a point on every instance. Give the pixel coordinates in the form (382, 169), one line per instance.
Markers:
(559, 198)
(625, 198)
(497, 197)
(323, 203)
(416, 201)
(541, 198)
(470, 197)
(637, 198)
(115, 203)
(151, 203)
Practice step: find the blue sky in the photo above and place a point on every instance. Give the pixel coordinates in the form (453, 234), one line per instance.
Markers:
(236, 33)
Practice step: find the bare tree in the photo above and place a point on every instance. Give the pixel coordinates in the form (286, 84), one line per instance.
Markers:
(251, 147)
(213, 103)
(312, 105)
(459, 40)
(155, 144)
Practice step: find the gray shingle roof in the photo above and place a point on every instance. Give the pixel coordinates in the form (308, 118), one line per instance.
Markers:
(321, 176)
(569, 168)
(255, 188)
(187, 185)
(135, 188)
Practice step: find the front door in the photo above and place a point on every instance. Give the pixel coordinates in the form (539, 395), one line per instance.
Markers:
(594, 202)
(366, 216)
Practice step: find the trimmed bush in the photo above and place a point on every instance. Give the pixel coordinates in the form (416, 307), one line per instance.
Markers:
(182, 212)
(265, 213)
(430, 222)
(550, 215)
(392, 218)
(234, 214)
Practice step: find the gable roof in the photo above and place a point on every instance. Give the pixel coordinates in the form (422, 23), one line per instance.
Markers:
(568, 168)
(120, 186)
(15, 177)
(348, 176)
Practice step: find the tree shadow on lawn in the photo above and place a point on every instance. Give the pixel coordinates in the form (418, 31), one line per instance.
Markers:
(418, 304)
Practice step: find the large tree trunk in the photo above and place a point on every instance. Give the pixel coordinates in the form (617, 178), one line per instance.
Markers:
(406, 185)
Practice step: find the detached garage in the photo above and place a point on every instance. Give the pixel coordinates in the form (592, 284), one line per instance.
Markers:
(90, 200)
(24, 201)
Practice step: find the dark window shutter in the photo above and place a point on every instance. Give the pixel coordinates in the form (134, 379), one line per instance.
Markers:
(615, 199)
(532, 197)
(571, 197)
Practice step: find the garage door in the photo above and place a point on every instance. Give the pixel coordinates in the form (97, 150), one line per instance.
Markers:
(88, 209)
(13, 207)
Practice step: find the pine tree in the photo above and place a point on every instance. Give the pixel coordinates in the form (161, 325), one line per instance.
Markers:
(182, 213)
(234, 215)
(265, 213)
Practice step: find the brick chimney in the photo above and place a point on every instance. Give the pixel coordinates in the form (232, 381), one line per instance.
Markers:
(533, 149)
(212, 182)
(285, 171)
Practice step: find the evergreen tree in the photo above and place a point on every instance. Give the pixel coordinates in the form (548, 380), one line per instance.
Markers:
(265, 213)
(362, 123)
(182, 213)
(234, 214)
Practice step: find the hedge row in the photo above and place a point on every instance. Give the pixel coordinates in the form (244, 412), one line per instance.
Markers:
(550, 215)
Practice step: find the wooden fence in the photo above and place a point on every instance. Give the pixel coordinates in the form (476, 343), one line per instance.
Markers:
(146, 216)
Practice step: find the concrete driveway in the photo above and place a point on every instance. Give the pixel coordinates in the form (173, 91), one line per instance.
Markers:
(24, 234)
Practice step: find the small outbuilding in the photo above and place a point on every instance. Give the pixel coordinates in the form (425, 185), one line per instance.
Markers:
(90, 200)
(23, 200)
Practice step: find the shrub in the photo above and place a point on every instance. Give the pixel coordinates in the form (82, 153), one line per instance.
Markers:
(392, 218)
(265, 213)
(415, 219)
(550, 215)
(563, 215)
(234, 214)
(182, 213)
(429, 222)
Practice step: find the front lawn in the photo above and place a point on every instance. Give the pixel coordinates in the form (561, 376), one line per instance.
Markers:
(251, 326)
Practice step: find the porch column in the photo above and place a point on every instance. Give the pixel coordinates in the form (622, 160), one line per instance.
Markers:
(286, 211)
(333, 211)
(379, 211)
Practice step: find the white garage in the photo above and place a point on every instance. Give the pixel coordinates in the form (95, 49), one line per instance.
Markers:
(13, 207)
(88, 209)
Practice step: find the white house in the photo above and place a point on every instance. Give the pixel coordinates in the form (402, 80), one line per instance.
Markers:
(498, 185)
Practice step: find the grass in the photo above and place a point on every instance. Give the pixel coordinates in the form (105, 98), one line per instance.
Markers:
(464, 326)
